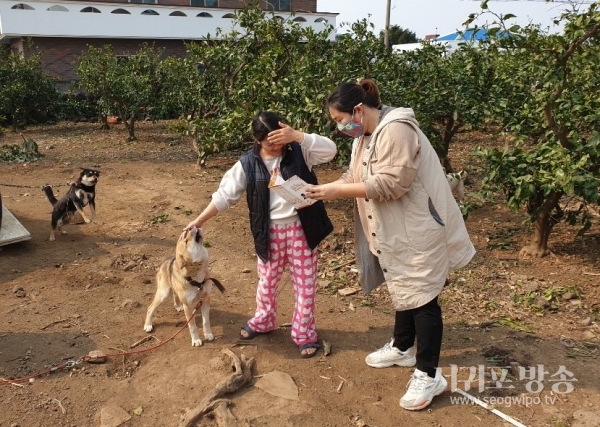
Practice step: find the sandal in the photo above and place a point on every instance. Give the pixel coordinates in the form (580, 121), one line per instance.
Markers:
(251, 333)
(302, 347)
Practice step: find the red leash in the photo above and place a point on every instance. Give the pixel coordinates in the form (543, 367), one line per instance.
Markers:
(72, 363)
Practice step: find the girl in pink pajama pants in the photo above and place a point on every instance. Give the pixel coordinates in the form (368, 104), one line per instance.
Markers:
(283, 235)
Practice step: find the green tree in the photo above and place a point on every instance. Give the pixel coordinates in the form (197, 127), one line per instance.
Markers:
(264, 64)
(132, 86)
(25, 91)
(546, 94)
(270, 64)
(182, 87)
(93, 68)
(447, 91)
(398, 35)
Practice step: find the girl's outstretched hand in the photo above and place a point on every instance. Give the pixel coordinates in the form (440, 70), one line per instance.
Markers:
(194, 224)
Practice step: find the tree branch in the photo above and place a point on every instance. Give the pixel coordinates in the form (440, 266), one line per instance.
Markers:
(241, 375)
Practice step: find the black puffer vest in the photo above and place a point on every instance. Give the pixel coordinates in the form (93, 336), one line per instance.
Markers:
(315, 222)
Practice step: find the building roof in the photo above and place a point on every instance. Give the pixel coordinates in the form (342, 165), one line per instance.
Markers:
(476, 35)
(84, 19)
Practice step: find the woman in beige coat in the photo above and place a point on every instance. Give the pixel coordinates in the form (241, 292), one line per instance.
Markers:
(409, 230)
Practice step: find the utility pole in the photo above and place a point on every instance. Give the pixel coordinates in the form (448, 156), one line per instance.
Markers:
(386, 37)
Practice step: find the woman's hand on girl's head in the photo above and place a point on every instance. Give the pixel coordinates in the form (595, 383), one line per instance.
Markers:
(285, 135)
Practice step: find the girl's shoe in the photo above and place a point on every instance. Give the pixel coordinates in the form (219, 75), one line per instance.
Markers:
(302, 347)
(250, 333)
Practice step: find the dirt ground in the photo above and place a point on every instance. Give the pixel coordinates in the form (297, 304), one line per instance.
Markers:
(516, 321)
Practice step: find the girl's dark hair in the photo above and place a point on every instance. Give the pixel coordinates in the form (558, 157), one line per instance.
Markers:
(263, 123)
(348, 95)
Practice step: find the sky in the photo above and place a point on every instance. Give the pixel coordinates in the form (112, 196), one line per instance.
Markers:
(424, 17)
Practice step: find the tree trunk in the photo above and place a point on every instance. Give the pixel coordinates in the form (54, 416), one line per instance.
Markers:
(131, 129)
(543, 225)
(103, 119)
(451, 126)
(129, 125)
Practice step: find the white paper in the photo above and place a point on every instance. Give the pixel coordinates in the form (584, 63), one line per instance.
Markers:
(291, 190)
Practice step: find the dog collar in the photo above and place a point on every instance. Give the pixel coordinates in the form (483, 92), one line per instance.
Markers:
(195, 283)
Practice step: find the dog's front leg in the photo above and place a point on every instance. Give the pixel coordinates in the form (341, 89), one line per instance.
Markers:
(190, 315)
(92, 205)
(59, 226)
(82, 213)
(205, 310)
(177, 302)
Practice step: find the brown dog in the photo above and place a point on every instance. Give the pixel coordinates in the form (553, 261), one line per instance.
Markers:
(186, 275)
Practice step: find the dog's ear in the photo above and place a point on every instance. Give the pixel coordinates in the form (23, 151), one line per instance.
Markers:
(184, 234)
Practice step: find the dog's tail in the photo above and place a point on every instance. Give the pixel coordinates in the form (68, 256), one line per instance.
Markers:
(49, 194)
(218, 284)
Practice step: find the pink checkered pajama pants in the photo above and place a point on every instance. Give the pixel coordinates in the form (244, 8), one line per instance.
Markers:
(287, 246)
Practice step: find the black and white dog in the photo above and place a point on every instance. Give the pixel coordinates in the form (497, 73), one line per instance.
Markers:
(82, 193)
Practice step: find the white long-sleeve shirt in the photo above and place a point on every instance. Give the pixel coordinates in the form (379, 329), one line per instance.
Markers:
(316, 149)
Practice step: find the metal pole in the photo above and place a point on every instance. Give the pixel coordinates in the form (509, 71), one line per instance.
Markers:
(386, 37)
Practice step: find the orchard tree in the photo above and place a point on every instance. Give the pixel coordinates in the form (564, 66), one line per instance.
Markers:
(182, 87)
(93, 68)
(267, 63)
(448, 91)
(264, 63)
(130, 85)
(546, 90)
(25, 91)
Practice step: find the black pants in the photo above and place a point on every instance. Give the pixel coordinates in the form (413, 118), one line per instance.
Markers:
(425, 323)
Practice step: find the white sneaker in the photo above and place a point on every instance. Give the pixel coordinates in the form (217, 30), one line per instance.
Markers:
(388, 355)
(422, 389)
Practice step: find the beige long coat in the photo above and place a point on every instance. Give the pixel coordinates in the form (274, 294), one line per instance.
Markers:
(419, 236)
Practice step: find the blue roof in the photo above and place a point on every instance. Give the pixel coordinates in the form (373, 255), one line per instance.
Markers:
(468, 35)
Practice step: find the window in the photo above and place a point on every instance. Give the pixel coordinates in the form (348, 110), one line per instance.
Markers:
(204, 3)
(57, 8)
(321, 20)
(228, 16)
(177, 13)
(282, 5)
(121, 12)
(299, 19)
(150, 12)
(143, 1)
(22, 6)
(204, 15)
(90, 9)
